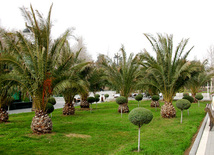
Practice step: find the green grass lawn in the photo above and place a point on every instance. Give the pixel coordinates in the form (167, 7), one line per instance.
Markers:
(101, 132)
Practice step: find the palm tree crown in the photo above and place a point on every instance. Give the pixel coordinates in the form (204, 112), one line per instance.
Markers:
(169, 71)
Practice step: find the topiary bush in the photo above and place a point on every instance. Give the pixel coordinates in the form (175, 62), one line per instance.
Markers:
(52, 100)
(189, 98)
(138, 98)
(96, 99)
(49, 108)
(185, 94)
(140, 116)
(106, 96)
(140, 95)
(123, 107)
(199, 97)
(91, 99)
(154, 102)
(96, 95)
(121, 100)
(155, 98)
(183, 104)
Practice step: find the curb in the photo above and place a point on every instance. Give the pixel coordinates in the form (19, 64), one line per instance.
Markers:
(196, 143)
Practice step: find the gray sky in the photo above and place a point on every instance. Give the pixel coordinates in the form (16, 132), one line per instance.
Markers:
(106, 24)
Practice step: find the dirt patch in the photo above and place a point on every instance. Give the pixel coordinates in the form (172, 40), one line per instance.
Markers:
(78, 135)
(193, 140)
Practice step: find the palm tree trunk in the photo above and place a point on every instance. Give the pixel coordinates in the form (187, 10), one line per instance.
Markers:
(168, 110)
(3, 115)
(124, 107)
(41, 123)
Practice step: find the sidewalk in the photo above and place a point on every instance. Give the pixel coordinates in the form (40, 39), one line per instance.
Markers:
(204, 141)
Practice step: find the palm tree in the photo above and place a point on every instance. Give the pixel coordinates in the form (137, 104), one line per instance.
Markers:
(167, 72)
(35, 63)
(69, 83)
(199, 79)
(124, 76)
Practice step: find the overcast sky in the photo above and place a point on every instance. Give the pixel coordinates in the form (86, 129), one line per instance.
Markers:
(106, 24)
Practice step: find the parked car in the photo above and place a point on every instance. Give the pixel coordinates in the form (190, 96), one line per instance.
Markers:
(134, 95)
(116, 95)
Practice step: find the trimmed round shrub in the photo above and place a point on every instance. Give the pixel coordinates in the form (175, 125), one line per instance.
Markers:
(97, 95)
(121, 100)
(49, 108)
(97, 99)
(183, 104)
(52, 100)
(138, 97)
(189, 98)
(185, 94)
(106, 96)
(199, 96)
(140, 116)
(155, 98)
(91, 99)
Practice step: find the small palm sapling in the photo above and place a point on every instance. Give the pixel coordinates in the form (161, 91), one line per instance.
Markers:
(140, 116)
(183, 104)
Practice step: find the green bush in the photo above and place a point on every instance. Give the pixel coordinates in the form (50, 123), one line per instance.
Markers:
(91, 99)
(97, 99)
(185, 94)
(97, 95)
(140, 116)
(121, 100)
(183, 104)
(138, 97)
(199, 96)
(155, 98)
(106, 96)
(52, 100)
(49, 108)
(189, 98)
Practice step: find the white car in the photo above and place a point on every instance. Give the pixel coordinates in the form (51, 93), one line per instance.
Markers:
(116, 95)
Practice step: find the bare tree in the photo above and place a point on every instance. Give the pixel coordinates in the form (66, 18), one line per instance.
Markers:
(84, 55)
(210, 56)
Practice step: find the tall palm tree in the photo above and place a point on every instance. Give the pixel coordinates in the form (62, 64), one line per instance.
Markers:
(168, 71)
(35, 63)
(124, 76)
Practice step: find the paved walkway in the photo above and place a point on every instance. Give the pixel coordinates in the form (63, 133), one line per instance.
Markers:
(204, 142)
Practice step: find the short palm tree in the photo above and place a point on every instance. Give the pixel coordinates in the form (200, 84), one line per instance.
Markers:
(124, 76)
(168, 71)
(199, 79)
(69, 82)
(35, 63)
